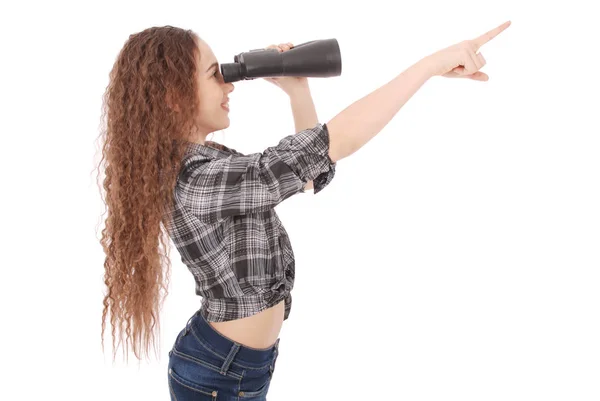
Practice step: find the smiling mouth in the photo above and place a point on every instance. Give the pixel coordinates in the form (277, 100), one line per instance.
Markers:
(225, 106)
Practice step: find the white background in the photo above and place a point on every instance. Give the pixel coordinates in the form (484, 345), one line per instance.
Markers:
(454, 257)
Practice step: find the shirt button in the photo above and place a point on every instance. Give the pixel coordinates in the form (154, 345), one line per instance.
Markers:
(214, 393)
(241, 394)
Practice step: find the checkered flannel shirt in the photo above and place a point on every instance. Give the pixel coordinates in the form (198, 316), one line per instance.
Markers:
(225, 226)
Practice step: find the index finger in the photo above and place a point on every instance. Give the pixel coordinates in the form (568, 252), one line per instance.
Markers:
(486, 37)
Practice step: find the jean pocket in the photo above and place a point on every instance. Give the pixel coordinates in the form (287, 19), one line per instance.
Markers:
(181, 388)
(254, 388)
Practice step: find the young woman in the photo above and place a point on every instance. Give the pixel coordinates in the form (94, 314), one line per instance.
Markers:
(165, 95)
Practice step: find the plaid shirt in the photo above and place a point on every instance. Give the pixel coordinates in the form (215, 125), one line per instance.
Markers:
(225, 226)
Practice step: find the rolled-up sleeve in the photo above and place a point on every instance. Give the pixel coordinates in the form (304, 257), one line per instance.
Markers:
(240, 184)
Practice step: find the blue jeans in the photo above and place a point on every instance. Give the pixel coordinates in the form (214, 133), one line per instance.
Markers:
(205, 365)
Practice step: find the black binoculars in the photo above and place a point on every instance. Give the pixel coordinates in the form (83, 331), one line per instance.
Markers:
(317, 58)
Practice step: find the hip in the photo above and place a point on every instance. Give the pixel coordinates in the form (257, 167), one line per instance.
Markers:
(205, 365)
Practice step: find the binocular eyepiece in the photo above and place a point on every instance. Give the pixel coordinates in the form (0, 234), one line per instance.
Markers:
(317, 58)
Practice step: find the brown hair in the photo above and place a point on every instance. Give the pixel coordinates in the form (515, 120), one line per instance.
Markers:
(144, 140)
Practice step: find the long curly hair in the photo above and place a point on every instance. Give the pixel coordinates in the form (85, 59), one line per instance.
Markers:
(143, 145)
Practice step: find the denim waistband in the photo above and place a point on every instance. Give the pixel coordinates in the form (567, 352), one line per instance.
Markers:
(224, 346)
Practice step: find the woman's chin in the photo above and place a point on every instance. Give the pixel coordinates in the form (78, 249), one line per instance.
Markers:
(227, 123)
(227, 119)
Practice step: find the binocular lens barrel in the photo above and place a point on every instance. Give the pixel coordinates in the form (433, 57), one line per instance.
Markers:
(317, 58)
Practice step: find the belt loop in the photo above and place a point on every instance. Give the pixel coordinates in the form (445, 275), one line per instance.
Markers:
(275, 354)
(232, 352)
(187, 325)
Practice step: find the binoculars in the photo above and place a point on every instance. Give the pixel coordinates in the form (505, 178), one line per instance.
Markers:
(317, 58)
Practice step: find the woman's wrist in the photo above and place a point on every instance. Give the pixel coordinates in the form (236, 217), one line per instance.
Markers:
(299, 90)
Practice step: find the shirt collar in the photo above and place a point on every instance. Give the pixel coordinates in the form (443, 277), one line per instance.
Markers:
(209, 148)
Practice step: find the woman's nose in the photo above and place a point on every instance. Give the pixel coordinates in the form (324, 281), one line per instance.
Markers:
(231, 87)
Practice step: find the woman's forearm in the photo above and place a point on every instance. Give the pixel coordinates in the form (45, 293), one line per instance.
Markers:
(305, 114)
(303, 109)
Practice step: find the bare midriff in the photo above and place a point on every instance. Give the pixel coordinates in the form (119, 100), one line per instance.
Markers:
(258, 331)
